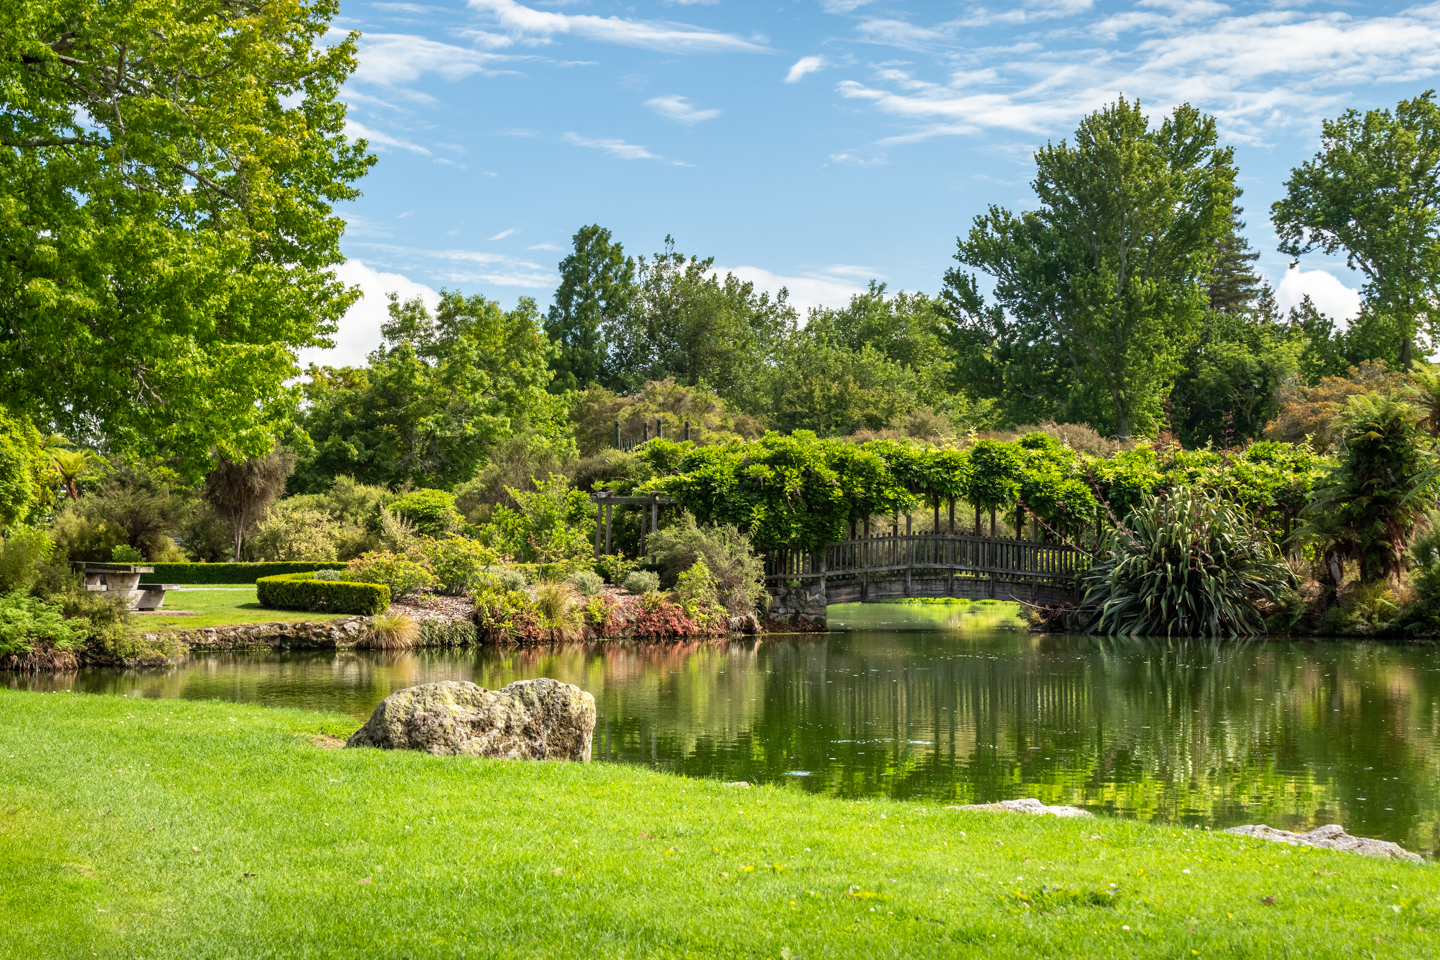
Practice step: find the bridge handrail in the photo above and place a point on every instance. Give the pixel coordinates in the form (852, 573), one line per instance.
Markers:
(952, 553)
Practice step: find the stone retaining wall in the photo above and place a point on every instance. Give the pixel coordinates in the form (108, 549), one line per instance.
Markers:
(293, 635)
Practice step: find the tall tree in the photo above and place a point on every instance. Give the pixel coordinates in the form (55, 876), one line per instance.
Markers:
(167, 171)
(242, 491)
(688, 323)
(437, 395)
(1110, 271)
(1232, 286)
(597, 286)
(1373, 191)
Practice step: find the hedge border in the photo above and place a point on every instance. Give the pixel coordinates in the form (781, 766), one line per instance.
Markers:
(301, 591)
(188, 573)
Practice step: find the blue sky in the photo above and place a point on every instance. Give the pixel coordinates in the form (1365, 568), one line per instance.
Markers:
(813, 144)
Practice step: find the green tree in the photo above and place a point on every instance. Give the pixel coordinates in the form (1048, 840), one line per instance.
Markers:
(1229, 377)
(1373, 191)
(688, 323)
(1110, 273)
(1232, 286)
(597, 286)
(835, 390)
(1384, 485)
(167, 172)
(437, 395)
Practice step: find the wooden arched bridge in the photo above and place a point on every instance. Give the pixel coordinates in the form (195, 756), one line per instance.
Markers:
(870, 567)
(891, 566)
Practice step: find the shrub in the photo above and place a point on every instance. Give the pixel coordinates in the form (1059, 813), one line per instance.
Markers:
(459, 564)
(124, 553)
(22, 554)
(514, 463)
(723, 550)
(431, 512)
(698, 593)
(196, 573)
(507, 616)
(553, 524)
(1186, 564)
(390, 631)
(296, 529)
(26, 622)
(301, 591)
(447, 633)
(397, 535)
(505, 579)
(329, 576)
(640, 582)
(587, 583)
(399, 574)
(600, 615)
(660, 619)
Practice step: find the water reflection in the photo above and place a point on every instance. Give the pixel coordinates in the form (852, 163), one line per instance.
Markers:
(1288, 734)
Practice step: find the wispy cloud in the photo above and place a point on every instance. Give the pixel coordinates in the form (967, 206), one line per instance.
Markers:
(393, 59)
(503, 234)
(678, 108)
(464, 266)
(531, 25)
(545, 246)
(826, 287)
(379, 141)
(804, 66)
(616, 148)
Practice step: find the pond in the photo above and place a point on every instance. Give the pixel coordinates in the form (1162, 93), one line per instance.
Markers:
(956, 705)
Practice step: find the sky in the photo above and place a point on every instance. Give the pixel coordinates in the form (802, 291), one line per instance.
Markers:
(815, 144)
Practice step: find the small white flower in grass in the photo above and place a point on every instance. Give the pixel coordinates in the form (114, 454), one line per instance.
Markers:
(1125, 927)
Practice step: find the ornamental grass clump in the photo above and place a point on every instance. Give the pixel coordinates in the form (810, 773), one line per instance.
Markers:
(557, 611)
(1184, 564)
(390, 631)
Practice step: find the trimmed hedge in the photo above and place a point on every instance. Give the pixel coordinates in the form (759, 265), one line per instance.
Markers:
(188, 573)
(301, 591)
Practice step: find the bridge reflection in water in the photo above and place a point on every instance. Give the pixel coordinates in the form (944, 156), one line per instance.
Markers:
(924, 565)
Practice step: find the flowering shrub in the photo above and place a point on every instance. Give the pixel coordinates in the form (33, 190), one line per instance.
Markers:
(400, 574)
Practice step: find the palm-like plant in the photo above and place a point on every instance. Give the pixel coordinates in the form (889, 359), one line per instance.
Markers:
(1369, 506)
(72, 465)
(1186, 563)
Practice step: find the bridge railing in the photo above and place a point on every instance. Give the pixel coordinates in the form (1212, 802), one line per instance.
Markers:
(960, 555)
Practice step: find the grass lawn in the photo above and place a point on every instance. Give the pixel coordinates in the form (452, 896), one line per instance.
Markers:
(220, 605)
(167, 828)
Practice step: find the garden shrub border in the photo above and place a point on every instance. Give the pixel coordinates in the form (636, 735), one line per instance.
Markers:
(301, 591)
(193, 573)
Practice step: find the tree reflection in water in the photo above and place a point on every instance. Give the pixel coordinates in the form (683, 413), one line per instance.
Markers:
(1293, 735)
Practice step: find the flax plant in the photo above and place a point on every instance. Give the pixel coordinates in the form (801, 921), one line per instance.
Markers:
(1186, 563)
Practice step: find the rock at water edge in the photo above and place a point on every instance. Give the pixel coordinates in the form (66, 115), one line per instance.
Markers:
(539, 719)
(1330, 837)
(1026, 805)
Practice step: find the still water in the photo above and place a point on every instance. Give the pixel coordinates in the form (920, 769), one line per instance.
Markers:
(956, 707)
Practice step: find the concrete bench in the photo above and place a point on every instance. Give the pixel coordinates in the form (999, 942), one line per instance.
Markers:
(152, 595)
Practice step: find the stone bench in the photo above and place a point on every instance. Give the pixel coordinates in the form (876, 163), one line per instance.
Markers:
(152, 595)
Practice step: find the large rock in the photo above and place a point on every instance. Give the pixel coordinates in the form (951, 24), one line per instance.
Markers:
(1330, 837)
(1026, 805)
(540, 719)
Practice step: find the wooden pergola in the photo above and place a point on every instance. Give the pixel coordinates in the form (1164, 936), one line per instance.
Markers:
(605, 504)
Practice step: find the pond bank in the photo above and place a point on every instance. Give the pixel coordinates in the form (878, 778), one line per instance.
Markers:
(197, 830)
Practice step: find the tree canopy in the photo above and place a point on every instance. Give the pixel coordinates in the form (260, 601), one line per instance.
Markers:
(166, 179)
(1107, 277)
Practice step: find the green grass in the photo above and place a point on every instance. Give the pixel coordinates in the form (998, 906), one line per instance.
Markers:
(218, 606)
(168, 828)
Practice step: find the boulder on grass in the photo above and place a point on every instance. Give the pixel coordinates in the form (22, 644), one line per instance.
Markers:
(1330, 837)
(540, 719)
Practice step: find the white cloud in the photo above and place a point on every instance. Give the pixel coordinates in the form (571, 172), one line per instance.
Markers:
(856, 160)
(544, 246)
(830, 287)
(1330, 295)
(540, 26)
(503, 234)
(843, 6)
(466, 266)
(616, 148)
(356, 130)
(678, 108)
(1257, 73)
(359, 331)
(391, 59)
(803, 66)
